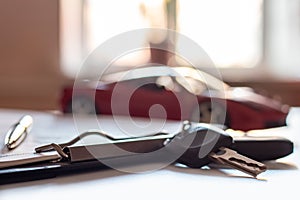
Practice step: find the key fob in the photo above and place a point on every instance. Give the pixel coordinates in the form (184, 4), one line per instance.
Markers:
(196, 142)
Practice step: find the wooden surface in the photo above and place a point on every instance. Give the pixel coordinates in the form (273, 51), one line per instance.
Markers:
(286, 91)
(29, 53)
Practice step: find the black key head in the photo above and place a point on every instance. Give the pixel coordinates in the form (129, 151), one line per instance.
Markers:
(196, 141)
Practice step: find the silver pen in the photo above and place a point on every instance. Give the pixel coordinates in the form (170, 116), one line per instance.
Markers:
(18, 132)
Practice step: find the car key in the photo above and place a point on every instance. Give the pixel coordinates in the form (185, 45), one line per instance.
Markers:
(204, 143)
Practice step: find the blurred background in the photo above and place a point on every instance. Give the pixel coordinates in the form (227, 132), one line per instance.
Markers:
(43, 43)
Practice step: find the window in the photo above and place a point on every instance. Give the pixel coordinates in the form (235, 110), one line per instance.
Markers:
(246, 39)
(229, 31)
(282, 37)
(88, 23)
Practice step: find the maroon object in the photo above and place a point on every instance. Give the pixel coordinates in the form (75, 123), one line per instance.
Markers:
(176, 93)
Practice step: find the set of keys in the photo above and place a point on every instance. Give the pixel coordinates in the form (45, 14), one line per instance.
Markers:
(212, 144)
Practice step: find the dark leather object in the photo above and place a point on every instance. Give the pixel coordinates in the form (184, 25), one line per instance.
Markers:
(263, 148)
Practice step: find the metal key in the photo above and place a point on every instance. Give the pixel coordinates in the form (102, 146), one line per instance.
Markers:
(233, 159)
(204, 143)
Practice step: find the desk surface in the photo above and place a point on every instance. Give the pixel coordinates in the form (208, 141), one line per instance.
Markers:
(280, 181)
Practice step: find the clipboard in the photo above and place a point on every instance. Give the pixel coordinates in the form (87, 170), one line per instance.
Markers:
(82, 160)
(102, 156)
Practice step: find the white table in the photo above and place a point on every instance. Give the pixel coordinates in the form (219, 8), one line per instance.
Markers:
(281, 181)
